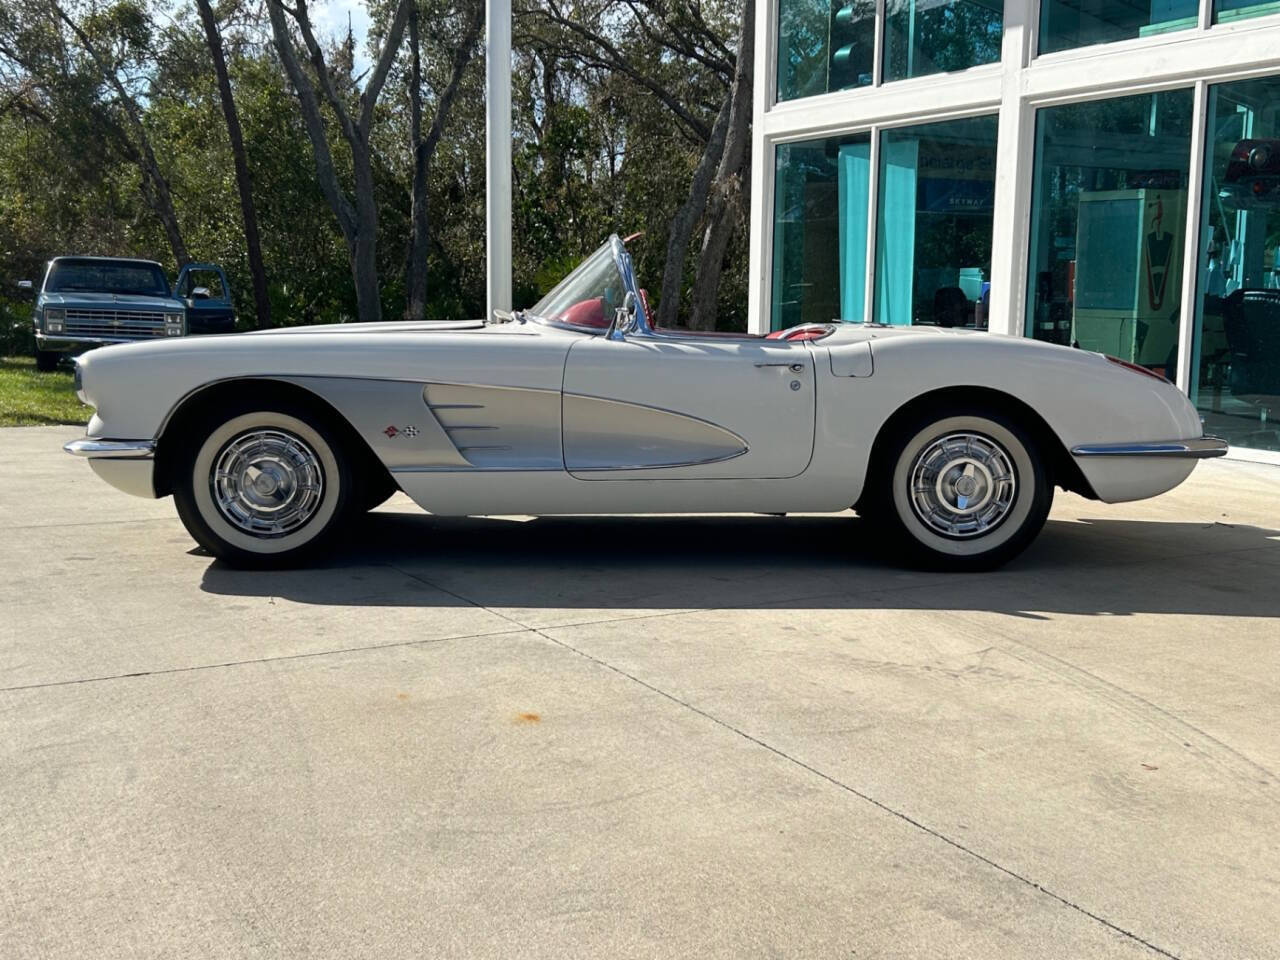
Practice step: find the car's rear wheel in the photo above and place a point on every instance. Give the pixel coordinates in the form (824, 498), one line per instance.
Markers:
(962, 490)
(264, 487)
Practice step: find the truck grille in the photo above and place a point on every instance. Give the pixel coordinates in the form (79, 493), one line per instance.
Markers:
(121, 324)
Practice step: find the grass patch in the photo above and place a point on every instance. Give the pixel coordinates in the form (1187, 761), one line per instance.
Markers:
(29, 399)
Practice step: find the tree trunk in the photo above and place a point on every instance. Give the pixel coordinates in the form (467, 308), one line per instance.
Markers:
(424, 148)
(687, 217)
(722, 222)
(364, 275)
(364, 249)
(359, 220)
(723, 208)
(415, 266)
(261, 302)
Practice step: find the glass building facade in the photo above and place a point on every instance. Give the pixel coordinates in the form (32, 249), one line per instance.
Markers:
(1087, 173)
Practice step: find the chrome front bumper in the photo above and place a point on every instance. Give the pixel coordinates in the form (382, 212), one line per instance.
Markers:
(128, 465)
(1201, 448)
(111, 449)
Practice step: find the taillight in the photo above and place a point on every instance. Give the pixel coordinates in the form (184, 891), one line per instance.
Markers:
(1138, 368)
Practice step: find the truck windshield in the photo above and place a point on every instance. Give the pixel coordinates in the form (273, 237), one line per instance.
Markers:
(107, 276)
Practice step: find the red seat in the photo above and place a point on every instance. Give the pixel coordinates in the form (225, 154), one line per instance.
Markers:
(811, 331)
(586, 313)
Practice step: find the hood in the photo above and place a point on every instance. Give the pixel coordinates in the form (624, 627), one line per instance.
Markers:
(104, 301)
(388, 326)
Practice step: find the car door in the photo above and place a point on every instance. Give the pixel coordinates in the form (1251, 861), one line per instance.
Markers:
(655, 407)
(211, 312)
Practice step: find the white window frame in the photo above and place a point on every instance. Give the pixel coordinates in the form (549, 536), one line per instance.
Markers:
(1015, 88)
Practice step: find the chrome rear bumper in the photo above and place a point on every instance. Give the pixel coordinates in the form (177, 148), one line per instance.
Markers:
(1201, 448)
(111, 449)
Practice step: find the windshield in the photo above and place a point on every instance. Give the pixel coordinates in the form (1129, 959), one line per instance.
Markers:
(588, 297)
(107, 276)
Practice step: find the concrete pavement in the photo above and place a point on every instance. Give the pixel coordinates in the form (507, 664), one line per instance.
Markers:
(714, 737)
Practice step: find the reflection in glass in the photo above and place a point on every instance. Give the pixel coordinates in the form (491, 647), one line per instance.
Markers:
(1065, 24)
(820, 231)
(937, 36)
(824, 45)
(933, 246)
(1108, 222)
(1226, 11)
(1235, 366)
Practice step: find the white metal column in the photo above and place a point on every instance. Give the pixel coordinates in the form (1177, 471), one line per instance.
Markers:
(497, 129)
(1191, 247)
(1015, 149)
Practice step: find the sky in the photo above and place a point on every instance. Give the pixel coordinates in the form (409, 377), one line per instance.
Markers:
(330, 19)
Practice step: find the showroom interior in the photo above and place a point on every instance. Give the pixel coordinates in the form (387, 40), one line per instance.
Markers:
(1096, 173)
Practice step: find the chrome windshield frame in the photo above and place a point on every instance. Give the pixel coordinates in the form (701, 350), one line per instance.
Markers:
(626, 268)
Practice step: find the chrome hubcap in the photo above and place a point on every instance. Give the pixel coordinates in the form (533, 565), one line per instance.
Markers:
(267, 482)
(963, 485)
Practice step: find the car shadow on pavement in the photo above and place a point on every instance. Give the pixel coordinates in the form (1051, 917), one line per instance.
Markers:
(1087, 566)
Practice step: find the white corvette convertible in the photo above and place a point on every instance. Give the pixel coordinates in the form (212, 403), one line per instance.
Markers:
(951, 441)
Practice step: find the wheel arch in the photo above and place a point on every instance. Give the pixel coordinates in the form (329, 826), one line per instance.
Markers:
(1064, 471)
(198, 404)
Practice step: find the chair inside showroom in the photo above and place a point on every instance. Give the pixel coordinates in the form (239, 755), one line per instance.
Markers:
(1251, 321)
(951, 307)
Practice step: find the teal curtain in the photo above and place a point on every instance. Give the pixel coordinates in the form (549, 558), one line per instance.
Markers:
(855, 183)
(896, 238)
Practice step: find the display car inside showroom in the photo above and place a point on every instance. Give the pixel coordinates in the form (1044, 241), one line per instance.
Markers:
(1098, 173)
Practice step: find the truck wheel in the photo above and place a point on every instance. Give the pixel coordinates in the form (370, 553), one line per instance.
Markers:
(963, 490)
(266, 486)
(47, 360)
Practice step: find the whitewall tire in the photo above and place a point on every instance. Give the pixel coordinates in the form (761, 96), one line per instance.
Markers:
(963, 490)
(264, 487)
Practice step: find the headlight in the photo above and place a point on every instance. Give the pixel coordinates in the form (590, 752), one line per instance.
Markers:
(55, 321)
(174, 324)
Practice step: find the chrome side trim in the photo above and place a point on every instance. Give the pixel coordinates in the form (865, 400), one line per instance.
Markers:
(111, 449)
(661, 466)
(1201, 448)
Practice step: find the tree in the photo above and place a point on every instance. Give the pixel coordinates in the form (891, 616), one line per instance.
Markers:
(244, 184)
(724, 208)
(677, 38)
(424, 148)
(357, 213)
(132, 26)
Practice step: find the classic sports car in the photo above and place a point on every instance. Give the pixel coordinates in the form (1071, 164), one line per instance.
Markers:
(953, 441)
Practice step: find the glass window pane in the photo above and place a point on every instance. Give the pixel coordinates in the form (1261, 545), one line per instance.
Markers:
(824, 45)
(1235, 362)
(820, 231)
(936, 36)
(1226, 11)
(933, 246)
(1065, 24)
(1108, 222)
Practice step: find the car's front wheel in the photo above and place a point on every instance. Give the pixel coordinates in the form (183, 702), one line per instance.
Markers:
(47, 360)
(264, 487)
(962, 490)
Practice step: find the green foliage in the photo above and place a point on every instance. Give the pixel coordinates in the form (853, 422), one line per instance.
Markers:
(594, 153)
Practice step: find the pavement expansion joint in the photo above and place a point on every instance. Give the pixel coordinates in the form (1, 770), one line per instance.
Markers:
(796, 761)
(312, 654)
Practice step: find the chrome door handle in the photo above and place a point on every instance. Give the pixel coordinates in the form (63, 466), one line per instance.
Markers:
(793, 367)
